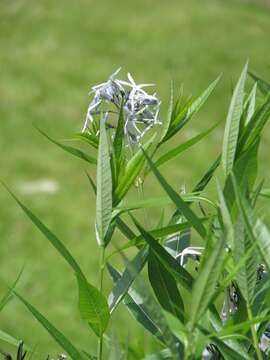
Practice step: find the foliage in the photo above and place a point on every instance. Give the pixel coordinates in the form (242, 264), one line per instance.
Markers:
(210, 300)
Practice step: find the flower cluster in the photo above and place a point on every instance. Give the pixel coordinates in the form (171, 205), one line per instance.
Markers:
(140, 109)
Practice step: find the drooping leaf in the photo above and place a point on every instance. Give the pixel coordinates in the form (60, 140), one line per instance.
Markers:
(165, 287)
(178, 201)
(132, 170)
(73, 151)
(67, 346)
(132, 270)
(93, 185)
(232, 124)
(206, 282)
(93, 306)
(104, 187)
(59, 246)
(89, 139)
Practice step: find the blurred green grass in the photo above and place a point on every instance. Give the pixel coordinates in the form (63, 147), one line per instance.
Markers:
(50, 55)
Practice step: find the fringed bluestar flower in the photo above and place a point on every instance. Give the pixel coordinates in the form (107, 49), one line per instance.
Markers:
(140, 109)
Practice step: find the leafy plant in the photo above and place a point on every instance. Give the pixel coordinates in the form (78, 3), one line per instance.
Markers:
(210, 300)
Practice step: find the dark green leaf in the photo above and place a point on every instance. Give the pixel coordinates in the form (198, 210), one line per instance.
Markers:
(59, 246)
(262, 84)
(76, 152)
(165, 287)
(89, 139)
(178, 201)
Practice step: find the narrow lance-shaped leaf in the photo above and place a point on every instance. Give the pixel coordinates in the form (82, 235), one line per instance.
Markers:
(165, 287)
(73, 151)
(104, 187)
(166, 123)
(132, 170)
(147, 312)
(178, 201)
(93, 306)
(5, 299)
(169, 262)
(67, 346)
(263, 85)
(132, 270)
(205, 285)
(59, 246)
(251, 103)
(118, 139)
(232, 124)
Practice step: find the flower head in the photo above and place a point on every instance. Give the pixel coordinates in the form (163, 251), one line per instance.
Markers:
(140, 109)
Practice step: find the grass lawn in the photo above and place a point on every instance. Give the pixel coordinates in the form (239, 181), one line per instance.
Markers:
(50, 55)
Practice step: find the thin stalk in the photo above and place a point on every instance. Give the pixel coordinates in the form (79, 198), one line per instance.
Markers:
(101, 272)
(254, 335)
(141, 197)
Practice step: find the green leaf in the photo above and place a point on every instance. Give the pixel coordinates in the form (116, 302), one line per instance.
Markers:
(169, 262)
(160, 201)
(262, 84)
(255, 228)
(182, 147)
(232, 124)
(165, 287)
(88, 139)
(73, 151)
(5, 299)
(93, 306)
(59, 246)
(132, 270)
(250, 104)
(178, 201)
(254, 128)
(11, 340)
(247, 275)
(206, 282)
(132, 170)
(144, 308)
(56, 334)
(167, 121)
(207, 176)
(104, 187)
(189, 110)
(118, 139)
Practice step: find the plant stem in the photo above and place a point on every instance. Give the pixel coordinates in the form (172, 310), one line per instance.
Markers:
(141, 196)
(254, 335)
(101, 271)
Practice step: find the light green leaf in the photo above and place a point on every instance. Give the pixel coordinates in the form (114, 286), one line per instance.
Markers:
(233, 123)
(132, 170)
(178, 201)
(11, 340)
(104, 186)
(88, 139)
(93, 306)
(5, 299)
(205, 284)
(73, 151)
(59, 246)
(67, 346)
(251, 103)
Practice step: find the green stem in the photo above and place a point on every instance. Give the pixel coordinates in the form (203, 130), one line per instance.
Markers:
(254, 335)
(141, 197)
(101, 272)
